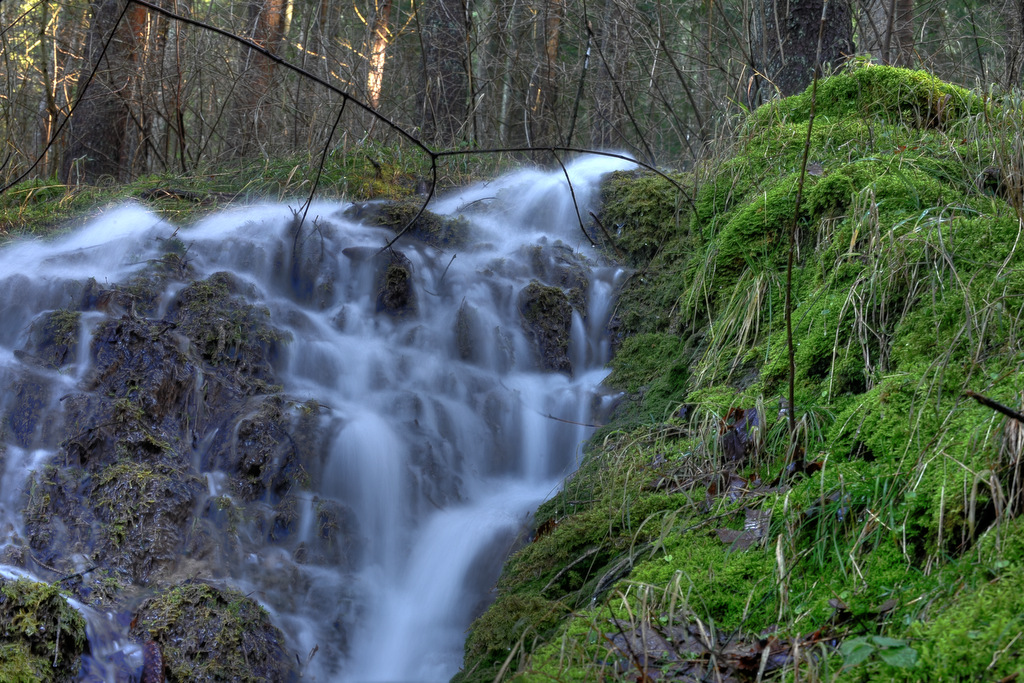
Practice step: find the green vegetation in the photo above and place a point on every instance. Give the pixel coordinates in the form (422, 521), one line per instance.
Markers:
(207, 634)
(883, 545)
(42, 638)
(367, 171)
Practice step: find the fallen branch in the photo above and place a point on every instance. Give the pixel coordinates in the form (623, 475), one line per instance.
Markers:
(996, 406)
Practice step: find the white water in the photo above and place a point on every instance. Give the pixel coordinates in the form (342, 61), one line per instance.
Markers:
(439, 455)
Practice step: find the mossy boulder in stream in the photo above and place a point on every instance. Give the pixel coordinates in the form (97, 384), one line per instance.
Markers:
(442, 232)
(547, 319)
(209, 634)
(396, 294)
(42, 638)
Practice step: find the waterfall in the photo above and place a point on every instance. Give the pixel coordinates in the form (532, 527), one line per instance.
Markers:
(437, 426)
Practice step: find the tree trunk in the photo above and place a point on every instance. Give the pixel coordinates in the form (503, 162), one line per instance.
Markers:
(250, 124)
(544, 89)
(444, 65)
(96, 137)
(902, 48)
(611, 34)
(1013, 21)
(873, 28)
(380, 35)
(789, 40)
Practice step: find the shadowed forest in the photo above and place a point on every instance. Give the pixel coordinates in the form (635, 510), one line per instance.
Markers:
(659, 80)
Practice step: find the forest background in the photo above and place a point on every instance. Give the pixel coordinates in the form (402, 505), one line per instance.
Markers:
(657, 79)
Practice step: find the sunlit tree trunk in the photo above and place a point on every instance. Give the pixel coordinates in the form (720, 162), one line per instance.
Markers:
(96, 139)
(544, 86)
(608, 117)
(47, 68)
(380, 36)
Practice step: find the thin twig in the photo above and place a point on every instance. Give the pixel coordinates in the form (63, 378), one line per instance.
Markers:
(575, 204)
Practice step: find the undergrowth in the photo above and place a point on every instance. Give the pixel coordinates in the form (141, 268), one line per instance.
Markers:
(353, 172)
(696, 541)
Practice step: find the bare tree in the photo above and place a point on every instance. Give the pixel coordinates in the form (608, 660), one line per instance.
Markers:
(886, 30)
(445, 88)
(250, 122)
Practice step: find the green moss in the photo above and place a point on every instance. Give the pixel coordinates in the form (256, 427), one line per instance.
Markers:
(511, 621)
(897, 96)
(227, 331)
(210, 634)
(654, 364)
(42, 638)
(906, 294)
(641, 212)
(408, 215)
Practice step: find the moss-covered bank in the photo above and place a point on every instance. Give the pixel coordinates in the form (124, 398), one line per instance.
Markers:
(886, 545)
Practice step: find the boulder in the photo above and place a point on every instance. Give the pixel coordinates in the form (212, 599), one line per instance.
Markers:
(547, 320)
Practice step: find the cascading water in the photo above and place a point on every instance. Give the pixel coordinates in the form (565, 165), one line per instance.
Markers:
(438, 427)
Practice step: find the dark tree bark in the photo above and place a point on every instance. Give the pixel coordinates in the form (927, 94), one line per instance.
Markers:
(544, 86)
(446, 84)
(1013, 22)
(250, 118)
(612, 43)
(98, 126)
(787, 37)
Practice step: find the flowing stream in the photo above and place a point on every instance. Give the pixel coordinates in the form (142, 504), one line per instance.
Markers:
(441, 430)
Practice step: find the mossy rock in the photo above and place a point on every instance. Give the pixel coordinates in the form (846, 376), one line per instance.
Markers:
(53, 338)
(896, 95)
(897, 505)
(510, 620)
(42, 638)
(263, 449)
(209, 634)
(396, 293)
(132, 516)
(641, 212)
(442, 232)
(228, 333)
(547, 318)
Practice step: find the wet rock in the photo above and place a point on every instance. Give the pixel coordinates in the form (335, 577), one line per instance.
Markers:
(42, 638)
(129, 517)
(209, 634)
(302, 266)
(232, 336)
(396, 294)
(53, 338)
(337, 541)
(141, 362)
(258, 451)
(26, 402)
(442, 232)
(558, 265)
(466, 323)
(547, 319)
